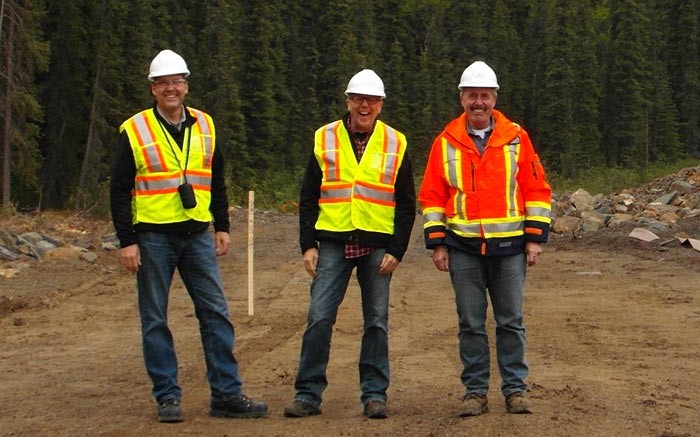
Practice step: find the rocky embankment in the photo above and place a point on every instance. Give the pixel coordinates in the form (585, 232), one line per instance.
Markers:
(658, 206)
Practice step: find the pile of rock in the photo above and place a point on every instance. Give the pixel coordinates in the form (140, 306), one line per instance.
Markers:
(27, 246)
(657, 206)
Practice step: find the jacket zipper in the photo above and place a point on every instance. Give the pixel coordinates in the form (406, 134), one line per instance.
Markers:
(471, 164)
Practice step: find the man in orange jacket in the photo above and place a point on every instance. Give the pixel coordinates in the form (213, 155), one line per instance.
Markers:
(486, 211)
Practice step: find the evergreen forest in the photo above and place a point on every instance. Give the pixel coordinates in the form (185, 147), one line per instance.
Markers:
(597, 83)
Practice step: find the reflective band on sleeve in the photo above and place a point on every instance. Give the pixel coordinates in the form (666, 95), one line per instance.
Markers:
(434, 217)
(538, 209)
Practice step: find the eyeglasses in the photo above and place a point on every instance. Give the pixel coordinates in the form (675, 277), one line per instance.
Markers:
(371, 100)
(176, 83)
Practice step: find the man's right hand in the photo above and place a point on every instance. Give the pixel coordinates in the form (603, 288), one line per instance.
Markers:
(310, 261)
(130, 257)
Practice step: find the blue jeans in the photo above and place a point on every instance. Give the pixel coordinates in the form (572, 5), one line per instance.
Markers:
(195, 259)
(504, 278)
(327, 292)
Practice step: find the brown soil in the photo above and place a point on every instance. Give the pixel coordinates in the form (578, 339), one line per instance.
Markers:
(612, 330)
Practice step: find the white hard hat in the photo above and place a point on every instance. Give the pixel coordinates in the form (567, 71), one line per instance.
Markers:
(167, 62)
(478, 75)
(366, 82)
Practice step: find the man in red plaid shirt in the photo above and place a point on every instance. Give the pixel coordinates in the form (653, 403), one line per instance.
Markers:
(357, 208)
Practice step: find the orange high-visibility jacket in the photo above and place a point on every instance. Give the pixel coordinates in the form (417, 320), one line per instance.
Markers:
(489, 204)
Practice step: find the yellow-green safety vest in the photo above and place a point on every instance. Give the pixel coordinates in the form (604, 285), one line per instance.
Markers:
(159, 168)
(358, 195)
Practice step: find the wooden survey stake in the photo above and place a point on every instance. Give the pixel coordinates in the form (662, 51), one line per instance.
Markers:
(251, 251)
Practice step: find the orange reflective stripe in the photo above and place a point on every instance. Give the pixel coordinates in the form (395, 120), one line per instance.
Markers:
(436, 235)
(535, 231)
(147, 141)
(331, 152)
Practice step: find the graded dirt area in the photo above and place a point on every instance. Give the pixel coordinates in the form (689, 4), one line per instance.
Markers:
(612, 323)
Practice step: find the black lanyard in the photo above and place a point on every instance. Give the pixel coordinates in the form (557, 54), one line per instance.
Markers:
(187, 155)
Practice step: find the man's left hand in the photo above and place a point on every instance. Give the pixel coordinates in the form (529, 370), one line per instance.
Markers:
(533, 250)
(222, 240)
(388, 265)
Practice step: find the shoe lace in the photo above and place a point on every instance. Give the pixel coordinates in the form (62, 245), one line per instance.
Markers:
(167, 402)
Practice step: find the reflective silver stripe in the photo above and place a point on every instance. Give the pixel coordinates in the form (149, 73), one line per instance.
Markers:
(157, 184)
(454, 164)
(538, 211)
(497, 228)
(336, 193)
(489, 229)
(452, 158)
(206, 136)
(330, 153)
(514, 148)
(370, 194)
(434, 217)
(195, 179)
(391, 154)
(473, 230)
(151, 153)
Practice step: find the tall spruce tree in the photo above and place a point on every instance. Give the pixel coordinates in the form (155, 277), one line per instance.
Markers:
(260, 84)
(338, 55)
(682, 57)
(663, 139)
(505, 56)
(216, 88)
(627, 112)
(104, 110)
(558, 138)
(301, 68)
(65, 93)
(24, 54)
(568, 97)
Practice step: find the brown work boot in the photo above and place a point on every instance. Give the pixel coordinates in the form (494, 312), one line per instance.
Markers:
(375, 410)
(301, 408)
(474, 404)
(517, 404)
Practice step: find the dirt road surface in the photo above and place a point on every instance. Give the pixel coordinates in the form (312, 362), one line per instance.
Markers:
(612, 323)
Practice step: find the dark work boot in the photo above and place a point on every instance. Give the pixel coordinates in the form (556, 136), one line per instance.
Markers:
(239, 405)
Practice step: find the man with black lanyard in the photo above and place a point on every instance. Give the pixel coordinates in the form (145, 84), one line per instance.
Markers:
(167, 185)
